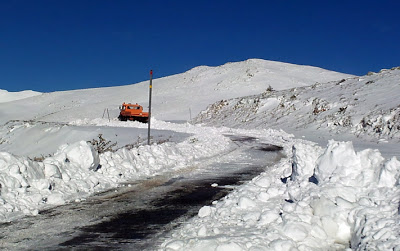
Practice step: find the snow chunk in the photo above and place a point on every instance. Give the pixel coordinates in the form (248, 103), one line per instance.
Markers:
(245, 203)
(338, 156)
(297, 231)
(202, 231)
(55, 199)
(340, 163)
(389, 175)
(174, 245)
(42, 184)
(231, 246)
(51, 170)
(205, 211)
(80, 153)
(304, 158)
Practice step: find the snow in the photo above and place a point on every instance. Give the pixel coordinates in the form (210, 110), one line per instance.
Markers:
(268, 214)
(175, 97)
(361, 109)
(77, 170)
(6, 96)
(332, 191)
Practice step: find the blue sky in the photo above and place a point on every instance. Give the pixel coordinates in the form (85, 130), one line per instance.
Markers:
(53, 45)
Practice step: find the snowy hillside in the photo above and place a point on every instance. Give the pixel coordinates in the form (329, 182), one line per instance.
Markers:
(6, 96)
(174, 97)
(367, 105)
(330, 196)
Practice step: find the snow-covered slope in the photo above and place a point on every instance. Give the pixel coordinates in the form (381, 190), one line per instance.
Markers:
(329, 197)
(367, 105)
(6, 96)
(176, 97)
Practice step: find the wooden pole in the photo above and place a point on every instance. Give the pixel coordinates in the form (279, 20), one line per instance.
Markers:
(150, 89)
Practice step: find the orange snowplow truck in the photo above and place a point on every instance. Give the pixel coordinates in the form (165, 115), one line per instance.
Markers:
(133, 112)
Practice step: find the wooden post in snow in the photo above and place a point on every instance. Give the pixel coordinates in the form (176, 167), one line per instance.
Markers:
(150, 89)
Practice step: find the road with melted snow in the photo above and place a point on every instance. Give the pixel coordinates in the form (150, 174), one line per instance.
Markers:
(138, 215)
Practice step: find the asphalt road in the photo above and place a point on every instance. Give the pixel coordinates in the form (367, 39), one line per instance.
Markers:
(139, 215)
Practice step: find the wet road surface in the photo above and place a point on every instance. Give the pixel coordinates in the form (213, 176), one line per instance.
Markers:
(138, 215)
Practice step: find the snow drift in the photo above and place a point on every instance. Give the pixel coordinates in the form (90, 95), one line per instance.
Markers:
(77, 170)
(334, 199)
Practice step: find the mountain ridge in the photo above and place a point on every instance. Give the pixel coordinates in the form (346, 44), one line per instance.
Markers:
(174, 97)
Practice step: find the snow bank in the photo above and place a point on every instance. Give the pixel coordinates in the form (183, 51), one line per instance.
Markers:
(324, 199)
(77, 170)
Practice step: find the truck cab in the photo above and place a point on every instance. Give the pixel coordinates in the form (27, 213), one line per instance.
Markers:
(133, 112)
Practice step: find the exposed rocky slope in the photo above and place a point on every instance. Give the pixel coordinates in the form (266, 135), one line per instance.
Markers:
(362, 105)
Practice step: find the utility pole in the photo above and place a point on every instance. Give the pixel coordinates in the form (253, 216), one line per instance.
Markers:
(150, 88)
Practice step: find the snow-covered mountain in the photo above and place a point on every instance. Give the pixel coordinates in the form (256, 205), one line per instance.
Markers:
(327, 197)
(6, 96)
(176, 97)
(367, 105)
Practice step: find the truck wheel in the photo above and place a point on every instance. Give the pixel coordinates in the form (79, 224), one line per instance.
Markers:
(122, 118)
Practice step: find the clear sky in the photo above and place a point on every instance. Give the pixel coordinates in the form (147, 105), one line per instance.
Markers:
(52, 45)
